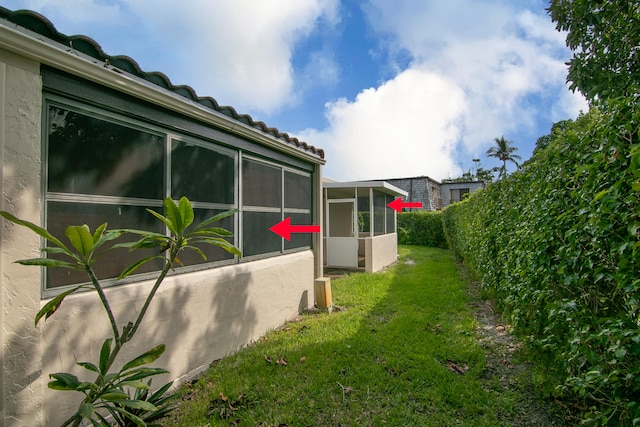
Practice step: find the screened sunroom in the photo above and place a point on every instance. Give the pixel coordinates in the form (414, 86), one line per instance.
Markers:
(360, 230)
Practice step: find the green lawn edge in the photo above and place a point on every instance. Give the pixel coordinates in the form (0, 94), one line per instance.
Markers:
(402, 349)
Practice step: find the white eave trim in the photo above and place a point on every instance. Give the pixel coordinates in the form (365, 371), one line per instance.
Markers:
(38, 48)
(376, 185)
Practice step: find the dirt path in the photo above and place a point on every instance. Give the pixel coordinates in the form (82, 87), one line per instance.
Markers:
(505, 373)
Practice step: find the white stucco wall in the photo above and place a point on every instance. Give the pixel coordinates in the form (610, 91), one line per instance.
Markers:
(200, 316)
(380, 251)
(21, 102)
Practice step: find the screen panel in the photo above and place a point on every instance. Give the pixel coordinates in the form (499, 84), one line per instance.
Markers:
(90, 155)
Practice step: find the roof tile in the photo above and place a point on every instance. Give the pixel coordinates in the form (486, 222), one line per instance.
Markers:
(39, 24)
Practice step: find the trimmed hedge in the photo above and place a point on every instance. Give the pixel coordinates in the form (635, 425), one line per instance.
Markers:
(422, 228)
(558, 244)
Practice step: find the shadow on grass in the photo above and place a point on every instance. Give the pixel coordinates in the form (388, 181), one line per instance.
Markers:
(402, 350)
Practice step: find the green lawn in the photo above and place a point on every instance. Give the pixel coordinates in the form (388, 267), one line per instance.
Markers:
(401, 351)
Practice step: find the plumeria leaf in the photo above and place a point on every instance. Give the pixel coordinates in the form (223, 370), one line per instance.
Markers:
(198, 251)
(107, 237)
(140, 385)
(81, 238)
(53, 305)
(140, 373)
(148, 241)
(105, 352)
(137, 420)
(38, 230)
(133, 267)
(63, 381)
(215, 218)
(86, 410)
(173, 216)
(49, 262)
(213, 232)
(186, 212)
(54, 250)
(137, 404)
(89, 366)
(145, 358)
(221, 243)
(99, 232)
(160, 392)
(164, 219)
(87, 386)
(113, 395)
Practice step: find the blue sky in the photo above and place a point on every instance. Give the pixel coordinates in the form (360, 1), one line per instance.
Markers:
(388, 88)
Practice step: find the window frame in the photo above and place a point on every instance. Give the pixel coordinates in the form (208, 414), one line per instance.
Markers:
(282, 209)
(168, 135)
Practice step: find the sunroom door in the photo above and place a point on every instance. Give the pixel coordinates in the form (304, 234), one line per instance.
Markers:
(342, 237)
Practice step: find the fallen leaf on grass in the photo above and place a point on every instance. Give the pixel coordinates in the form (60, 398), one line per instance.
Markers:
(303, 359)
(224, 407)
(436, 328)
(267, 359)
(282, 362)
(457, 368)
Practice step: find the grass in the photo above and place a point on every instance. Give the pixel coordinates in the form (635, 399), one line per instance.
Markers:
(402, 350)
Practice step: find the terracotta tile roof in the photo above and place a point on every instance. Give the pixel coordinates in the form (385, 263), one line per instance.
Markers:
(39, 24)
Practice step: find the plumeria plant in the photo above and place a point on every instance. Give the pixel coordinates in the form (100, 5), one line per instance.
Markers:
(124, 395)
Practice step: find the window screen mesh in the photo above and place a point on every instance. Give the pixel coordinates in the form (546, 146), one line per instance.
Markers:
(201, 174)
(297, 191)
(88, 155)
(257, 238)
(61, 215)
(261, 184)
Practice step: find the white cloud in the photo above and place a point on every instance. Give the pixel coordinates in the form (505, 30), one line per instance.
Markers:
(476, 66)
(477, 69)
(405, 127)
(76, 10)
(239, 50)
(321, 70)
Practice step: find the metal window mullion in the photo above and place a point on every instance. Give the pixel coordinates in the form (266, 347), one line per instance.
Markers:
(281, 204)
(240, 180)
(167, 165)
(297, 211)
(372, 214)
(326, 210)
(101, 200)
(236, 202)
(264, 209)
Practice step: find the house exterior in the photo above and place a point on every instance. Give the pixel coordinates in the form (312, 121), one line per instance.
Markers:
(360, 229)
(434, 195)
(455, 191)
(89, 138)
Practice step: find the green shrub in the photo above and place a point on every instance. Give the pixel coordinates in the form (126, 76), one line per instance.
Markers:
(421, 228)
(558, 243)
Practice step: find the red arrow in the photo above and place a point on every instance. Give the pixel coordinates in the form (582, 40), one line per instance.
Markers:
(284, 228)
(397, 205)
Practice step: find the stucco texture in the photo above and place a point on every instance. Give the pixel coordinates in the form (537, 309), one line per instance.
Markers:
(200, 316)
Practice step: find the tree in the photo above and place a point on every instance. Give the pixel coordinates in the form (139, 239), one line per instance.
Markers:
(482, 174)
(503, 151)
(556, 128)
(604, 36)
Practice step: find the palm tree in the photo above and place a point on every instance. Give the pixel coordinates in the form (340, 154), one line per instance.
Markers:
(504, 151)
